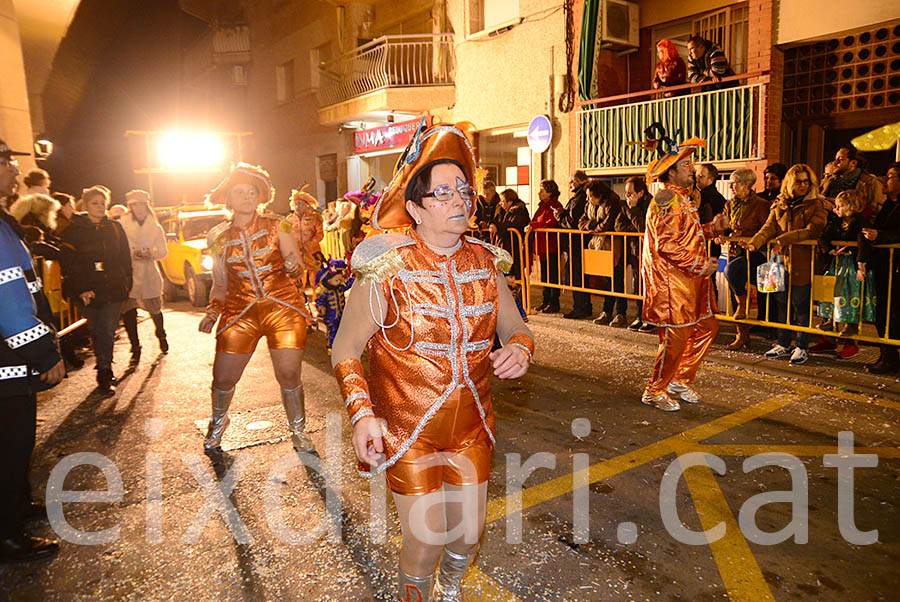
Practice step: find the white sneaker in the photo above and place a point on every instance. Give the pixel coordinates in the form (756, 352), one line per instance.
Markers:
(660, 402)
(799, 356)
(683, 392)
(776, 352)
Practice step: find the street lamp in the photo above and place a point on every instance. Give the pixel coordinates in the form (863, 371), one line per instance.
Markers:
(190, 151)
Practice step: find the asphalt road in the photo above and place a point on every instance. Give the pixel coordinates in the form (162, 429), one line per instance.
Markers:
(600, 520)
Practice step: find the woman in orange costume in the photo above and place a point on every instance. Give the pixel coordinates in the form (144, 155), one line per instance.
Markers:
(676, 270)
(256, 269)
(426, 304)
(306, 223)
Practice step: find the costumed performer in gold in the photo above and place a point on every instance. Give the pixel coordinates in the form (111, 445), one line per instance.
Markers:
(256, 273)
(426, 304)
(676, 270)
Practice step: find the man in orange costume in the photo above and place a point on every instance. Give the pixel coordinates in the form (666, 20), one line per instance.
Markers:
(306, 222)
(427, 304)
(676, 270)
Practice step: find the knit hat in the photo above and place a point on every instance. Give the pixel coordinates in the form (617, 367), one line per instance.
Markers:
(137, 196)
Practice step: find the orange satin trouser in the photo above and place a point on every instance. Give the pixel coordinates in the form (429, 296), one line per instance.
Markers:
(454, 447)
(680, 352)
(283, 328)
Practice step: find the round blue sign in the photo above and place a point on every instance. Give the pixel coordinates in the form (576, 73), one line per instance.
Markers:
(540, 132)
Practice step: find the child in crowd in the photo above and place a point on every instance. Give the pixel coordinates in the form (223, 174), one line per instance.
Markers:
(853, 289)
(332, 285)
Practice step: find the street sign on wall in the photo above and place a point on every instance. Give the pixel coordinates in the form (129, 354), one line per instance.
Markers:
(540, 133)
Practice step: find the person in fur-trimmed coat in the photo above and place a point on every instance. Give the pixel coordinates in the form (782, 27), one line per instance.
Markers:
(148, 245)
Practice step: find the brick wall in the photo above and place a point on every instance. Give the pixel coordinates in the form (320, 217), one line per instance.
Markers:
(763, 56)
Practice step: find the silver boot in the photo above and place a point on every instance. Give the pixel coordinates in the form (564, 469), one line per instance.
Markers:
(450, 575)
(414, 589)
(221, 400)
(295, 410)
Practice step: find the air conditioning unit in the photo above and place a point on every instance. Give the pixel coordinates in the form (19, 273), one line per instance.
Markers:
(619, 24)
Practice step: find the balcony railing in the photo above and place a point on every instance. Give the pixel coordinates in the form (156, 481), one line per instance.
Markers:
(386, 62)
(730, 120)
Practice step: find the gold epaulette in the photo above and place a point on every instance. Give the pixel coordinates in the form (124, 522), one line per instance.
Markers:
(377, 258)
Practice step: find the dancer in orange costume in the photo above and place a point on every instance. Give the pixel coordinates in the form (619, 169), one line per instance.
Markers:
(676, 270)
(306, 223)
(426, 304)
(256, 268)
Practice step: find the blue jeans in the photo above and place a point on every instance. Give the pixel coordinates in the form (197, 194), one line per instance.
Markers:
(102, 323)
(799, 314)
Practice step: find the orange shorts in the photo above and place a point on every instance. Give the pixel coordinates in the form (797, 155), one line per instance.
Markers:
(454, 447)
(283, 328)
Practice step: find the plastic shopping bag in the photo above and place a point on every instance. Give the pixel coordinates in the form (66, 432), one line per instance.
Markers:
(771, 277)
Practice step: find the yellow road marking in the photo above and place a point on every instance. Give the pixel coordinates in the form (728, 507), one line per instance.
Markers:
(481, 587)
(794, 450)
(737, 565)
(542, 492)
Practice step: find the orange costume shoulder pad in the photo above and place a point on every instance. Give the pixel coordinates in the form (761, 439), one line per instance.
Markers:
(377, 258)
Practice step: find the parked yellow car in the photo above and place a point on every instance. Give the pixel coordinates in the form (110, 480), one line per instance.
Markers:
(188, 264)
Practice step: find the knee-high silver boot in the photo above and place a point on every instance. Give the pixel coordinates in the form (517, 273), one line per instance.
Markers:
(450, 575)
(414, 589)
(221, 400)
(294, 408)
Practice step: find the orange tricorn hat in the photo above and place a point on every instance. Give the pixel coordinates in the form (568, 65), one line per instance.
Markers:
(429, 145)
(676, 151)
(244, 173)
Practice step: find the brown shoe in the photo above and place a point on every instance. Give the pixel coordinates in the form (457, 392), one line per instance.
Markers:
(741, 339)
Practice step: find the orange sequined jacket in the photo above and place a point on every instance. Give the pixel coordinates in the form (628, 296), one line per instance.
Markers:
(676, 266)
(444, 315)
(309, 233)
(248, 264)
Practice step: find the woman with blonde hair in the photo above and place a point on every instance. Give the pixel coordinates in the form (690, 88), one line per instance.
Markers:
(798, 214)
(37, 210)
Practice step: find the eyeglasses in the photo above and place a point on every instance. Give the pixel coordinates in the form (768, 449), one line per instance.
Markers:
(444, 193)
(801, 181)
(8, 162)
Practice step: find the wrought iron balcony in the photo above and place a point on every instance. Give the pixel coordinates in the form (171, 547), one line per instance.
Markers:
(731, 121)
(399, 61)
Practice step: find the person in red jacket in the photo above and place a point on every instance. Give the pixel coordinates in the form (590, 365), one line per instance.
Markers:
(546, 244)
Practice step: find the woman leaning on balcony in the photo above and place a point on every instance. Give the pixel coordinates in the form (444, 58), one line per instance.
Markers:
(798, 214)
(746, 213)
(670, 68)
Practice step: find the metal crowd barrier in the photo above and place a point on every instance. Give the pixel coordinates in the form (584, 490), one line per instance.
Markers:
(601, 263)
(333, 244)
(65, 311)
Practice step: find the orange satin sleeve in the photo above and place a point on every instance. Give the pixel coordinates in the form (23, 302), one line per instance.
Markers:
(354, 389)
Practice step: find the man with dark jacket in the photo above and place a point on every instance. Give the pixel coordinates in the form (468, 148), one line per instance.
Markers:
(850, 174)
(29, 362)
(632, 219)
(774, 175)
(886, 230)
(568, 218)
(707, 63)
(96, 266)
